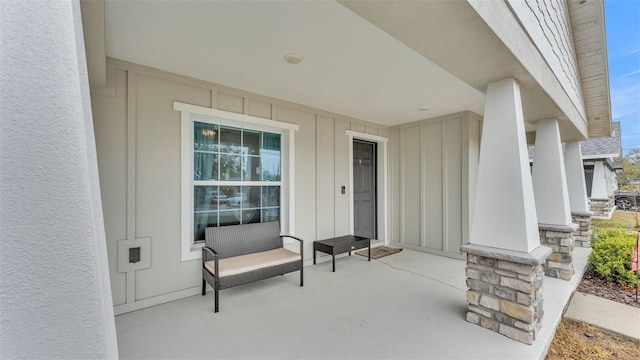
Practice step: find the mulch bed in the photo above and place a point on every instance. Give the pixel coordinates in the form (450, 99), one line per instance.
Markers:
(594, 285)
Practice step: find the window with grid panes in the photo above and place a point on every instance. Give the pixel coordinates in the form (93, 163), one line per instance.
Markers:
(236, 176)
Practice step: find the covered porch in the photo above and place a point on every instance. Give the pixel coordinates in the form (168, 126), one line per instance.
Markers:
(365, 310)
(450, 117)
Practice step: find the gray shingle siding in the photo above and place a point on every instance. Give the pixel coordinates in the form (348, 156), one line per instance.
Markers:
(603, 146)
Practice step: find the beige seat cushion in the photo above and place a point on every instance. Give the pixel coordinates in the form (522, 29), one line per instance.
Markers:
(245, 263)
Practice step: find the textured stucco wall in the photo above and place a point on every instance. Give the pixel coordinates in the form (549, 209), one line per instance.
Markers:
(54, 280)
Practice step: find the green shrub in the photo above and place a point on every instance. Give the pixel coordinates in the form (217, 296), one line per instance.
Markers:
(611, 256)
(594, 233)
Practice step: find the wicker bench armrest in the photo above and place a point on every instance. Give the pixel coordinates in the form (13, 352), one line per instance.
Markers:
(206, 249)
(301, 243)
(293, 237)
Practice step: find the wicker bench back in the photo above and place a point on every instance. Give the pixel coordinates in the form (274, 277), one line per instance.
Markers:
(236, 240)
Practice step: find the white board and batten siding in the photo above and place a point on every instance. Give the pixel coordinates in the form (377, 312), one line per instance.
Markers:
(138, 143)
(433, 167)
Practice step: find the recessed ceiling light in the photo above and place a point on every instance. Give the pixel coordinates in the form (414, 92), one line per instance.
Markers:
(424, 108)
(293, 58)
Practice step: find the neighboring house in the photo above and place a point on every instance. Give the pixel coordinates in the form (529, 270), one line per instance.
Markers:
(600, 158)
(403, 121)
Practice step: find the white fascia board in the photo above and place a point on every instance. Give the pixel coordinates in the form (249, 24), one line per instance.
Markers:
(600, 156)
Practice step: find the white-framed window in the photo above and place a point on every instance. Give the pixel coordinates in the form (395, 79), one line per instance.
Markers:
(236, 176)
(235, 169)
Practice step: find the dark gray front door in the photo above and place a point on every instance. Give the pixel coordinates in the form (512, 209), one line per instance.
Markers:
(364, 189)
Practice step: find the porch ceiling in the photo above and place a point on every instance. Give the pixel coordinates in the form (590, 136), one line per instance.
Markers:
(373, 60)
(350, 66)
(479, 42)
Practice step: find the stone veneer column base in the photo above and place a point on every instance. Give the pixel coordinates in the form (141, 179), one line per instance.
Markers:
(582, 236)
(505, 290)
(561, 241)
(602, 208)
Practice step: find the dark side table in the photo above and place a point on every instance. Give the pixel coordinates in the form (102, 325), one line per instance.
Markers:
(340, 245)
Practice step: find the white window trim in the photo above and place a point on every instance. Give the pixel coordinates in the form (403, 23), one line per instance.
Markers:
(190, 113)
(381, 182)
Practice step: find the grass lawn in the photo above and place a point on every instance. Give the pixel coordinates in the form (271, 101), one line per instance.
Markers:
(619, 220)
(575, 340)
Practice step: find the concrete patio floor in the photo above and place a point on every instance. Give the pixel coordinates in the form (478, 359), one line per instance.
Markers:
(407, 305)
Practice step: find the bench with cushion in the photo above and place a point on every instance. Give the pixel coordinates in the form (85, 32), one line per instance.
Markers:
(240, 254)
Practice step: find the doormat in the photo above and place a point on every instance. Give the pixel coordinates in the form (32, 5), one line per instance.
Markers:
(378, 252)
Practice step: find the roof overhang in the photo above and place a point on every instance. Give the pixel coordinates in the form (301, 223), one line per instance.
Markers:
(496, 47)
(588, 27)
(484, 42)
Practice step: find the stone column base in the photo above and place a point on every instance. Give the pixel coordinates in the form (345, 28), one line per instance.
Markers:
(582, 236)
(602, 208)
(561, 241)
(505, 290)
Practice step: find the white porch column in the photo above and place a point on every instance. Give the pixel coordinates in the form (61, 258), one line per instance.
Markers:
(505, 213)
(602, 200)
(56, 295)
(552, 200)
(504, 257)
(578, 200)
(575, 177)
(599, 187)
(549, 178)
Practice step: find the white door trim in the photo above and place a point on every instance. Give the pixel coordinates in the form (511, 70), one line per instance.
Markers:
(381, 182)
